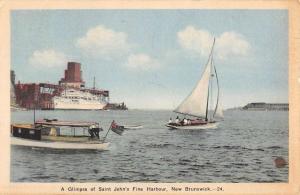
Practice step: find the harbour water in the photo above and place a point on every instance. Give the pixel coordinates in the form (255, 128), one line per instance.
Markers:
(242, 149)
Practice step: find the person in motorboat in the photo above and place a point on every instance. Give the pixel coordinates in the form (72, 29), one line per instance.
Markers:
(170, 121)
(94, 131)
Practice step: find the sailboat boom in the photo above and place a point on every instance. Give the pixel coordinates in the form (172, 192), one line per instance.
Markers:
(188, 114)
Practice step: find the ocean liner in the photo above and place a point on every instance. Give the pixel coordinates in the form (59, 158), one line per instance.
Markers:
(78, 100)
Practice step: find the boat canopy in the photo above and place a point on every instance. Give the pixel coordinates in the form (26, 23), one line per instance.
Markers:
(66, 123)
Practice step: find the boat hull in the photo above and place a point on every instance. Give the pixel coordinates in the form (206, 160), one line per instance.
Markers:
(59, 145)
(195, 127)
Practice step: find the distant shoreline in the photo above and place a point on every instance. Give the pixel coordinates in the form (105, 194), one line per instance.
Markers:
(262, 106)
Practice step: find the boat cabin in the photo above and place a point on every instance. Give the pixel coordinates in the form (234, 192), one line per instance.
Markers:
(50, 130)
(26, 131)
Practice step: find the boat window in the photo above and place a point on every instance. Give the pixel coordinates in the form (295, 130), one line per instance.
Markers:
(31, 132)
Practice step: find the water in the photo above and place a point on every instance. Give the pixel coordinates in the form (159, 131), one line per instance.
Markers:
(242, 149)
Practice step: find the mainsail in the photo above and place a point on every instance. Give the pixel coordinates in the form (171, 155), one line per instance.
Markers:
(196, 104)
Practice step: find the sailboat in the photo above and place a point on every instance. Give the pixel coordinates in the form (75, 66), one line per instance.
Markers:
(199, 103)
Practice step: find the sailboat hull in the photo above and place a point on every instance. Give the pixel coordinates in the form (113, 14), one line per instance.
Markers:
(213, 125)
(58, 145)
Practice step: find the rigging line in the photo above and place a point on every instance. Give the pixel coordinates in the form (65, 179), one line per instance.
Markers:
(209, 60)
(206, 118)
(217, 103)
(211, 90)
(211, 51)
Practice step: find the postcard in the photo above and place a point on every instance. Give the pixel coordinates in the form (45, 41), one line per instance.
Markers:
(121, 97)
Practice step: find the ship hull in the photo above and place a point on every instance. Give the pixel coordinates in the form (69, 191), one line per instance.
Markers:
(72, 99)
(78, 106)
(59, 145)
(213, 125)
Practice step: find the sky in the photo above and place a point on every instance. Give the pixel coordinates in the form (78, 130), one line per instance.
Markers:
(152, 59)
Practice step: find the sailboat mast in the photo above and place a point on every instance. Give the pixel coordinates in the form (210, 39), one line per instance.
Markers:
(210, 59)
(211, 87)
(206, 118)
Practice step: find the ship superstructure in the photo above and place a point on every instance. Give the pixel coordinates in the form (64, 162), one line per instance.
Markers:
(81, 100)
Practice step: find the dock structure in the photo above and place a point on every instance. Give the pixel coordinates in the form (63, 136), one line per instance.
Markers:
(116, 106)
(12, 89)
(36, 95)
(266, 106)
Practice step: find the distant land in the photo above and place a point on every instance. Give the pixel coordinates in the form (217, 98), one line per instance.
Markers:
(263, 106)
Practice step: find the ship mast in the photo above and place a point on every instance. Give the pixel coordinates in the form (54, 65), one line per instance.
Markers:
(94, 83)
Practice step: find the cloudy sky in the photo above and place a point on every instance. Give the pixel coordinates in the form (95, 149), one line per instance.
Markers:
(153, 58)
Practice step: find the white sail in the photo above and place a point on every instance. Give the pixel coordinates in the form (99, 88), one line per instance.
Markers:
(195, 104)
(219, 111)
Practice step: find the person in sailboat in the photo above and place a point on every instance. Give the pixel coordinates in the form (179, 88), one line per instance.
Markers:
(189, 122)
(184, 121)
(177, 120)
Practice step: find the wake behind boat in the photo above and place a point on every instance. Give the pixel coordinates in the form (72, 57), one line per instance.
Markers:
(47, 134)
(132, 127)
(199, 103)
